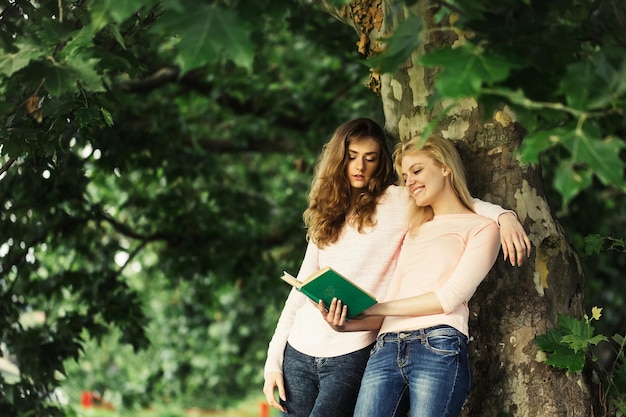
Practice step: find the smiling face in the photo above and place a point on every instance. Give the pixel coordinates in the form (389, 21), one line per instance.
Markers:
(363, 160)
(426, 179)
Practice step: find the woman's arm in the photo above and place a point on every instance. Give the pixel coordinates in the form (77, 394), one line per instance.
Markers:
(478, 258)
(513, 237)
(295, 301)
(273, 369)
(336, 317)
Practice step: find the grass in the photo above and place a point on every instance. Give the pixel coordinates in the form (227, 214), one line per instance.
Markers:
(248, 408)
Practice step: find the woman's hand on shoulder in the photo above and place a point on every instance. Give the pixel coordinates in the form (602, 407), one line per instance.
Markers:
(515, 243)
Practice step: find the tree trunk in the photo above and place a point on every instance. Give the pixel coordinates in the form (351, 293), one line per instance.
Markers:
(512, 305)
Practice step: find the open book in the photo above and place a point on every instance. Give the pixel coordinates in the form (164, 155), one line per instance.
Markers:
(327, 284)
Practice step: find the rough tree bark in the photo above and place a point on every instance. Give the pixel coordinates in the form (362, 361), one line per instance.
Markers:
(513, 305)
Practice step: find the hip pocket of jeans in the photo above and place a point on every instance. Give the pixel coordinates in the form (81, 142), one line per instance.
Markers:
(444, 344)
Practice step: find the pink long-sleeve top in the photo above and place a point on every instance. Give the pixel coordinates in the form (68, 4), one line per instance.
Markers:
(367, 258)
(450, 256)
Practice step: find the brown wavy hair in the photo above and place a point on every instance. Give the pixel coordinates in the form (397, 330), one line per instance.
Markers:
(330, 202)
(444, 153)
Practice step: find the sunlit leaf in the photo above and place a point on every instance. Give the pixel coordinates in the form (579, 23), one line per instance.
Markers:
(10, 63)
(596, 312)
(107, 116)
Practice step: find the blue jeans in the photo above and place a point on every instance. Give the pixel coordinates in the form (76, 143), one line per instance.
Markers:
(425, 371)
(322, 387)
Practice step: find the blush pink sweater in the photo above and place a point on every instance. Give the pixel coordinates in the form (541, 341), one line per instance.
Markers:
(367, 258)
(450, 256)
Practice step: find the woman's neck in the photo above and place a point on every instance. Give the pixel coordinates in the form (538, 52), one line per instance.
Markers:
(449, 203)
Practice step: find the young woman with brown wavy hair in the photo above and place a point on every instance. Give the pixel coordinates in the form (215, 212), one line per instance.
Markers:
(356, 222)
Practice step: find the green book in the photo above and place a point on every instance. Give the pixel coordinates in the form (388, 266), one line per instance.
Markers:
(327, 284)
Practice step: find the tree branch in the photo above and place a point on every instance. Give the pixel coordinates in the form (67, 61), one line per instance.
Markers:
(158, 79)
(8, 165)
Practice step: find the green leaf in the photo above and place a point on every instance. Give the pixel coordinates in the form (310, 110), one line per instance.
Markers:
(537, 143)
(604, 83)
(602, 156)
(12, 62)
(581, 343)
(571, 325)
(514, 96)
(465, 69)
(570, 179)
(107, 116)
(208, 35)
(565, 358)
(568, 343)
(115, 31)
(550, 341)
(103, 11)
(404, 41)
(62, 78)
(578, 334)
(577, 74)
(594, 244)
(589, 155)
(87, 75)
(561, 355)
(121, 11)
(80, 43)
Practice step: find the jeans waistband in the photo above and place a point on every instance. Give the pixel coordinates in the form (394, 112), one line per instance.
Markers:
(441, 330)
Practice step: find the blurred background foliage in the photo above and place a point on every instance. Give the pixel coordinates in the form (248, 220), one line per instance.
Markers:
(152, 188)
(150, 222)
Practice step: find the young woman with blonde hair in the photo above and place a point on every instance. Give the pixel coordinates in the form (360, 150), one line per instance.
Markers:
(356, 223)
(420, 360)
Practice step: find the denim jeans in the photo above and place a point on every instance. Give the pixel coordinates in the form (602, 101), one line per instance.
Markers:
(322, 387)
(425, 371)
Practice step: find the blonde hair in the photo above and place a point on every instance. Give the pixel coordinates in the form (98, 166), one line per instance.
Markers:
(330, 194)
(444, 153)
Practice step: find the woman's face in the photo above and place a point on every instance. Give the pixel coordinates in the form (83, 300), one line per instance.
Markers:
(424, 178)
(363, 159)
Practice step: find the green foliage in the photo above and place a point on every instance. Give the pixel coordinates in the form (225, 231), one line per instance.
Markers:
(466, 70)
(594, 244)
(590, 154)
(148, 207)
(198, 32)
(569, 345)
(561, 73)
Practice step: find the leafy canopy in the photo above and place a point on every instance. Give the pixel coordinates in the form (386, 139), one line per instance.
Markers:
(560, 67)
(155, 161)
